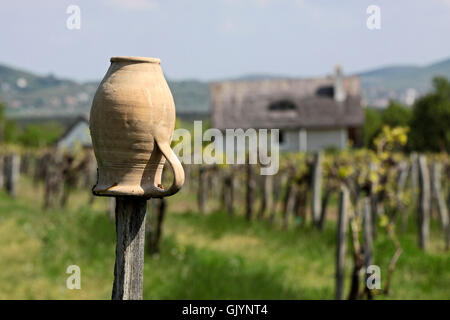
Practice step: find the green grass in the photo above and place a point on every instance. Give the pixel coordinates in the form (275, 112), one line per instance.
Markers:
(210, 256)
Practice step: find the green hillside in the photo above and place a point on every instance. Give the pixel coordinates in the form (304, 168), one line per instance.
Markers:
(28, 94)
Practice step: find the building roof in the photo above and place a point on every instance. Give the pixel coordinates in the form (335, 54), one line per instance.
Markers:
(76, 133)
(286, 103)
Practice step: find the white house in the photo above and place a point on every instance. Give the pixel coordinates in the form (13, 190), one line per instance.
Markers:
(311, 114)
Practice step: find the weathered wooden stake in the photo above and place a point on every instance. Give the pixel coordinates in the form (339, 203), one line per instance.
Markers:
(316, 199)
(267, 196)
(12, 167)
(367, 232)
(288, 201)
(228, 192)
(414, 178)
(424, 202)
(2, 171)
(323, 211)
(156, 225)
(130, 231)
(202, 192)
(341, 243)
(277, 192)
(440, 200)
(250, 193)
(401, 182)
(367, 239)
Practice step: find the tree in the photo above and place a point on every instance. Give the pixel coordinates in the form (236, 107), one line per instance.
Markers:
(372, 125)
(430, 129)
(397, 115)
(40, 135)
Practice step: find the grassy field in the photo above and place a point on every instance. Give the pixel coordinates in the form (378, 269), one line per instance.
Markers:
(203, 256)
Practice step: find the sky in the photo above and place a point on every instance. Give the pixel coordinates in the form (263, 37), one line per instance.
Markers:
(217, 39)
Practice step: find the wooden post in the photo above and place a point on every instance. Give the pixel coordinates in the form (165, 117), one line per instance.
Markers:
(288, 201)
(424, 202)
(130, 231)
(228, 192)
(201, 192)
(367, 240)
(267, 196)
(373, 202)
(250, 193)
(341, 242)
(12, 167)
(316, 199)
(401, 182)
(156, 223)
(414, 179)
(278, 183)
(2, 171)
(323, 211)
(367, 232)
(440, 200)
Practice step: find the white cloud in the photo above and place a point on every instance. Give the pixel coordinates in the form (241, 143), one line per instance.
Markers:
(134, 4)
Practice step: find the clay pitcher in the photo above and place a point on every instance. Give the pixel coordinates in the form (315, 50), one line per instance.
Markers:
(132, 122)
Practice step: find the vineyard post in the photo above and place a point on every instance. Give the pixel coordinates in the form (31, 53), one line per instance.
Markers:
(2, 171)
(341, 243)
(288, 201)
(187, 172)
(414, 178)
(424, 202)
(402, 180)
(267, 197)
(12, 167)
(316, 200)
(367, 237)
(130, 231)
(227, 192)
(323, 211)
(156, 225)
(250, 192)
(442, 206)
(373, 203)
(230, 199)
(367, 231)
(201, 192)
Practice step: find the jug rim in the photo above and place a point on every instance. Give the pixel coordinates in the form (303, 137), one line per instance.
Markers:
(135, 59)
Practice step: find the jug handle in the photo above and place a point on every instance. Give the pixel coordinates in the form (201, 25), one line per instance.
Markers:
(177, 169)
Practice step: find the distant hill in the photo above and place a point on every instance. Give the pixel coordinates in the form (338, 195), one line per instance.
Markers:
(27, 94)
(393, 82)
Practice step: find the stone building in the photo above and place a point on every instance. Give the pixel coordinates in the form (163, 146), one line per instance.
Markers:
(311, 114)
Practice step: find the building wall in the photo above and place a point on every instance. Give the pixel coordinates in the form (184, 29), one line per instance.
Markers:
(291, 140)
(313, 140)
(78, 135)
(321, 139)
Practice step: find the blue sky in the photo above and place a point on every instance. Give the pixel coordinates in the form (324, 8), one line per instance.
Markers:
(213, 39)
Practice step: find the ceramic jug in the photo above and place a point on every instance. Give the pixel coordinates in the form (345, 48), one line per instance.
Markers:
(131, 122)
